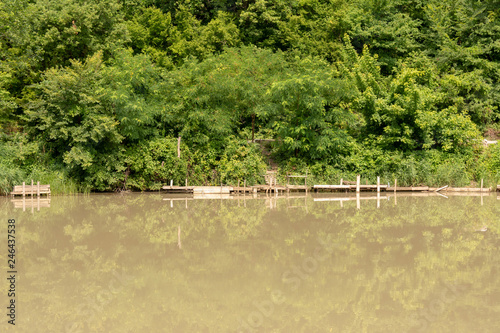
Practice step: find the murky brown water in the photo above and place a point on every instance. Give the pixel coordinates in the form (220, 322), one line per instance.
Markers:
(139, 263)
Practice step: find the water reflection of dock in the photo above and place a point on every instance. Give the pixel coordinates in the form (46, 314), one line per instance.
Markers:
(271, 200)
(31, 203)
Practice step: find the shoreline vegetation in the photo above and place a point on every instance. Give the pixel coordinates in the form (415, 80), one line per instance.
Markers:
(94, 95)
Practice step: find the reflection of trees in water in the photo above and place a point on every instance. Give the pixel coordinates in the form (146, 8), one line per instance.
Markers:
(388, 267)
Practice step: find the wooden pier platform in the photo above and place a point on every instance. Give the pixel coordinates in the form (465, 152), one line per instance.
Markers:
(31, 190)
(271, 186)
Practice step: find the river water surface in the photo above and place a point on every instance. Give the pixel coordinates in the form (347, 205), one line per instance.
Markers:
(157, 263)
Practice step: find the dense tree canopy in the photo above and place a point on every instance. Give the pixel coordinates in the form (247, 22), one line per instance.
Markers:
(341, 87)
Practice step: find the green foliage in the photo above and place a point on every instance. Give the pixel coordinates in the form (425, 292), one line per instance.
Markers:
(209, 100)
(405, 112)
(10, 173)
(87, 112)
(153, 163)
(241, 161)
(311, 121)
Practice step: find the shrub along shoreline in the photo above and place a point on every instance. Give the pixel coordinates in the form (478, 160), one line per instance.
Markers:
(154, 166)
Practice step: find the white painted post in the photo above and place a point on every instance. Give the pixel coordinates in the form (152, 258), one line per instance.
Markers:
(378, 184)
(358, 180)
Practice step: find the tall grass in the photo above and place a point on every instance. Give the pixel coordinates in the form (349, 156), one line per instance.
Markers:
(9, 176)
(58, 181)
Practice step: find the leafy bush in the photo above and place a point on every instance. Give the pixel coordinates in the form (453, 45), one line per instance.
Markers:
(241, 160)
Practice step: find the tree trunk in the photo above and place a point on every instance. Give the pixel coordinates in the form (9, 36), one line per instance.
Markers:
(253, 127)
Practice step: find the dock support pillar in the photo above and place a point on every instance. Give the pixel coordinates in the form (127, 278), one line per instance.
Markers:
(395, 184)
(24, 191)
(378, 184)
(358, 180)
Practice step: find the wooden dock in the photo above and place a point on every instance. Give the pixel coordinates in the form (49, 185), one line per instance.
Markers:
(272, 186)
(32, 189)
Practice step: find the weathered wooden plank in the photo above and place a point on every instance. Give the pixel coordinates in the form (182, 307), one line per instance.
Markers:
(467, 189)
(367, 187)
(297, 187)
(212, 189)
(409, 188)
(319, 187)
(187, 188)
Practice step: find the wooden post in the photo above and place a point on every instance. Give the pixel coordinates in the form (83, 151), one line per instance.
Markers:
(305, 182)
(341, 181)
(378, 184)
(171, 183)
(32, 189)
(38, 189)
(238, 186)
(245, 187)
(24, 189)
(186, 183)
(395, 184)
(358, 180)
(179, 147)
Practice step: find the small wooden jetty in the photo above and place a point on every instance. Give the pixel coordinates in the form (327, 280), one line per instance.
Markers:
(32, 190)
